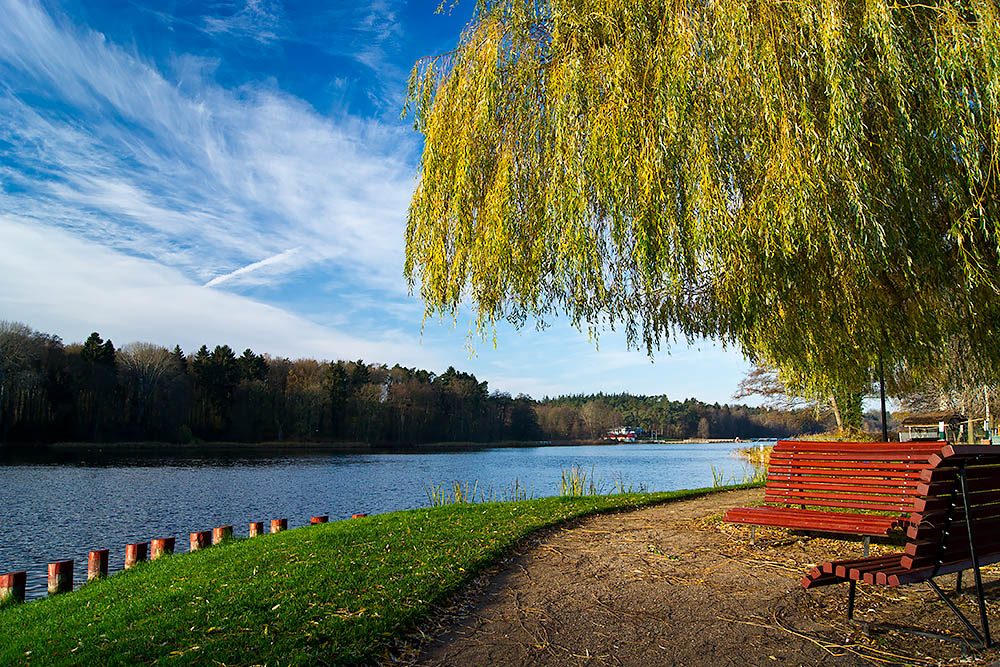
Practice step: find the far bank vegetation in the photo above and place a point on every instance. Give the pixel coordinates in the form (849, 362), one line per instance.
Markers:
(96, 392)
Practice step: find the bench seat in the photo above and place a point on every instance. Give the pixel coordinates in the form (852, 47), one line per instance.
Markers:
(824, 521)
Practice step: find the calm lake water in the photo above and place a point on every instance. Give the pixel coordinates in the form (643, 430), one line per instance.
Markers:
(54, 509)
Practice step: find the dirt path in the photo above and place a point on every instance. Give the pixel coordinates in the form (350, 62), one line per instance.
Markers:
(673, 585)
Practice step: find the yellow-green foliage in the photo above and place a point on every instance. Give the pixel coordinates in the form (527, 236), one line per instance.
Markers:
(811, 180)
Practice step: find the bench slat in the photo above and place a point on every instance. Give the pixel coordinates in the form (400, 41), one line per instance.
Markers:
(807, 445)
(792, 473)
(935, 503)
(819, 502)
(911, 485)
(858, 458)
(846, 485)
(878, 467)
(854, 524)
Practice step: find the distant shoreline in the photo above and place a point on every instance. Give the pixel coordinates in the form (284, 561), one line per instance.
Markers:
(319, 447)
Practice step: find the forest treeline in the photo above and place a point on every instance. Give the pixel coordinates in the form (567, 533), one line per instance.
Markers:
(95, 392)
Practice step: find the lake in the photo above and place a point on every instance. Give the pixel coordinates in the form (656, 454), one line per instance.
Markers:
(61, 506)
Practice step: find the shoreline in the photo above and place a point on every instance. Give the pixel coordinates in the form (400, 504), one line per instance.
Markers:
(315, 447)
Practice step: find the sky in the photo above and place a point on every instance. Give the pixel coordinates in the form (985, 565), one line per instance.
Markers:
(238, 173)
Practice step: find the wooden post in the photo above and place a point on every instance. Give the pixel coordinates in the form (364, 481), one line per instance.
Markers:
(358, 516)
(161, 547)
(278, 525)
(318, 519)
(97, 564)
(256, 529)
(200, 540)
(60, 577)
(222, 533)
(134, 554)
(12, 587)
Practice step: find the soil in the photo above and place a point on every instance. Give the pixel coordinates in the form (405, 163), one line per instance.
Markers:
(675, 585)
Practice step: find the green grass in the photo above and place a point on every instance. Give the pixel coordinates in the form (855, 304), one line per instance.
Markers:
(336, 593)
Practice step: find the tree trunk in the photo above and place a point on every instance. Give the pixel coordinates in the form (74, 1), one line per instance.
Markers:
(836, 412)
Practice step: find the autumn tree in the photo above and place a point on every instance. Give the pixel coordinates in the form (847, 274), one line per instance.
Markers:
(21, 352)
(765, 381)
(144, 369)
(815, 182)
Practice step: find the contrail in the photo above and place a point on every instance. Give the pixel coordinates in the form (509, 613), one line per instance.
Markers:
(249, 268)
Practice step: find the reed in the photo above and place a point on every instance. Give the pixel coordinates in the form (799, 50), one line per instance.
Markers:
(577, 482)
(622, 484)
(515, 492)
(455, 493)
(757, 457)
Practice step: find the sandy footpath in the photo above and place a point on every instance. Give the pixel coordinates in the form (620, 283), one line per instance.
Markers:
(674, 585)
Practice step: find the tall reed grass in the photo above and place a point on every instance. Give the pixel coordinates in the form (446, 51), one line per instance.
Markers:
(578, 482)
(757, 457)
(575, 482)
(456, 493)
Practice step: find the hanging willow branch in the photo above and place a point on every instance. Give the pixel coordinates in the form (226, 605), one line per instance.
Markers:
(809, 180)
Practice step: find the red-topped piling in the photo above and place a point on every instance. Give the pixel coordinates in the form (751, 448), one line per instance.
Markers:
(12, 587)
(222, 533)
(97, 564)
(256, 529)
(200, 540)
(134, 554)
(161, 547)
(318, 519)
(60, 577)
(278, 525)
(358, 516)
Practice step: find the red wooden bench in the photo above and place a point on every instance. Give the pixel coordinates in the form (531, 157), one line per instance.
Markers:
(955, 526)
(821, 486)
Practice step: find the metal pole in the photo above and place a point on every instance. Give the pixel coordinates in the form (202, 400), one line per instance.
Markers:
(975, 560)
(881, 391)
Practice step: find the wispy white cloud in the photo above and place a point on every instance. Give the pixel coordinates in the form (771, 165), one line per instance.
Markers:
(259, 20)
(82, 286)
(200, 178)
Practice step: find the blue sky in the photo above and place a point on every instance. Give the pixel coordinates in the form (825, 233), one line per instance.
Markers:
(238, 172)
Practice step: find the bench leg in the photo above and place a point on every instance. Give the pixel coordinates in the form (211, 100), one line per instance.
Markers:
(850, 600)
(867, 541)
(958, 582)
(753, 534)
(958, 612)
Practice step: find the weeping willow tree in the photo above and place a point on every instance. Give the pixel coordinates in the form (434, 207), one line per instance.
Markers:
(813, 181)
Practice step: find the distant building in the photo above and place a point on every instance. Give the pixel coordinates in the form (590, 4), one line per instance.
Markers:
(944, 425)
(626, 434)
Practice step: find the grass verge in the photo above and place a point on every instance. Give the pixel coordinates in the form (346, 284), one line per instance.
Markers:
(336, 593)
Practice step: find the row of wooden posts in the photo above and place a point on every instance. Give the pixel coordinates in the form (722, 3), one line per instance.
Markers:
(12, 584)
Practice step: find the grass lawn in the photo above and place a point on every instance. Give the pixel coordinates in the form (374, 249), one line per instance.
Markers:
(336, 593)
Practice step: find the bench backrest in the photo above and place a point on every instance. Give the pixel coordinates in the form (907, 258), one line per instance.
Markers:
(872, 476)
(938, 536)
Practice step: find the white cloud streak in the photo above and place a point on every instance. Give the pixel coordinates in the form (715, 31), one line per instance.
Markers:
(82, 286)
(280, 258)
